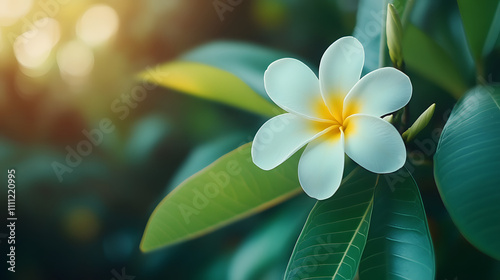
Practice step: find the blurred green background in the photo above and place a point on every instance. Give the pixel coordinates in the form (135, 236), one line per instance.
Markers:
(68, 65)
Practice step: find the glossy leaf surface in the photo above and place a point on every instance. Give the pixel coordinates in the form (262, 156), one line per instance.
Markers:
(466, 166)
(229, 189)
(399, 244)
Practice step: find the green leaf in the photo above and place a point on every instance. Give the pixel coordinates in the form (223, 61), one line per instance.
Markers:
(246, 61)
(224, 71)
(399, 244)
(482, 25)
(421, 122)
(332, 240)
(466, 166)
(424, 56)
(229, 189)
(370, 31)
(204, 154)
(210, 83)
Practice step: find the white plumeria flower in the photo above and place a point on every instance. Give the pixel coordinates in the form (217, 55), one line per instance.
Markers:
(335, 114)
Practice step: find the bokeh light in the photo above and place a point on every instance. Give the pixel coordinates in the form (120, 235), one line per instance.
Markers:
(32, 48)
(81, 223)
(1, 42)
(97, 24)
(270, 14)
(12, 10)
(75, 60)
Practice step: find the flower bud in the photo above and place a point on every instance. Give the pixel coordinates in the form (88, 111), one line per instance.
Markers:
(421, 122)
(388, 118)
(394, 31)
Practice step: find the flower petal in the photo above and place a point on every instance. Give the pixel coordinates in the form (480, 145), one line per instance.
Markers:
(380, 92)
(280, 137)
(321, 166)
(339, 70)
(294, 87)
(374, 144)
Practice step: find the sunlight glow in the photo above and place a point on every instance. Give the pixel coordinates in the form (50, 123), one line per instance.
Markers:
(1, 42)
(75, 60)
(97, 24)
(12, 10)
(33, 47)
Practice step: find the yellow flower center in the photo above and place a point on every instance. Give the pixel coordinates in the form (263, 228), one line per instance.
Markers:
(336, 117)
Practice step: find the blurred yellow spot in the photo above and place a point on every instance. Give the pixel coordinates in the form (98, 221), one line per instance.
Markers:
(269, 14)
(1, 43)
(81, 224)
(36, 72)
(33, 47)
(97, 24)
(12, 10)
(75, 60)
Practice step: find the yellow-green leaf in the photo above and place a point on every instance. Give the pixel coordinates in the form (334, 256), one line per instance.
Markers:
(229, 189)
(210, 83)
